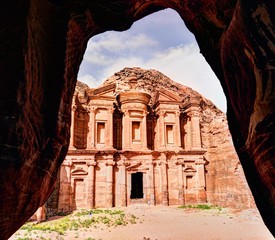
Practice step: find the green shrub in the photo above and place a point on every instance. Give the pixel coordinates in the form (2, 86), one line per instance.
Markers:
(200, 206)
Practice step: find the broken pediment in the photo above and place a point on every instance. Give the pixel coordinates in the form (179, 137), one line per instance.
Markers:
(105, 92)
(167, 97)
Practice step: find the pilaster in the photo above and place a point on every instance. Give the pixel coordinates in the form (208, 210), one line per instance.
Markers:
(164, 182)
(180, 182)
(91, 183)
(201, 191)
(126, 130)
(91, 126)
(161, 129)
(122, 182)
(194, 115)
(109, 182)
(71, 146)
(66, 194)
(150, 178)
(110, 128)
(177, 129)
(144, 131)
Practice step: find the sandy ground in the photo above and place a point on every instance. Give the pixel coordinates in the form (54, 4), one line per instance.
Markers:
(172, 223)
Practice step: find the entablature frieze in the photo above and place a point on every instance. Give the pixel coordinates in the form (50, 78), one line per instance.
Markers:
(162, 110)
(200, 151)
(101, 103)
(132, 106)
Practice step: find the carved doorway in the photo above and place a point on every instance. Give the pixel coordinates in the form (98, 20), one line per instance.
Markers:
(79, 192)
(136, 185)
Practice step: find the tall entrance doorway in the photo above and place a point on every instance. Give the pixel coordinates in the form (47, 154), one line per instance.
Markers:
(137, 185)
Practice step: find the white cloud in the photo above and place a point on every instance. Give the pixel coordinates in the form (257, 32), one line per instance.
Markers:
(115, 44)
(183, 64)
(146, 45)
(88, 79)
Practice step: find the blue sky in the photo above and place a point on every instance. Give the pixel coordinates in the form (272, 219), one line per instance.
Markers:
(159, 41)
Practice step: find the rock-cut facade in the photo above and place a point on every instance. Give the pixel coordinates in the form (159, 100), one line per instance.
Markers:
(141, 138)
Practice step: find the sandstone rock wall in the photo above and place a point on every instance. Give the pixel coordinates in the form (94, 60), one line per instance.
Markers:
(225, 182)
(42, 45)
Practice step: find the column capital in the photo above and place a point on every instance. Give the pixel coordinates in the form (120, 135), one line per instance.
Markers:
(150, 162)
(193, 113)
(110, 163)
(162, 163)
(67, 163)
(161, 113)
(120, 163)
(92, 109)
(126, 112)
(110, 110)
(145, 113)
(177, 113)
(91, 163)
(200, 162)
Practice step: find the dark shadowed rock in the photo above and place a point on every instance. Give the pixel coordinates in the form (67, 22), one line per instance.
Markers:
(42, 45)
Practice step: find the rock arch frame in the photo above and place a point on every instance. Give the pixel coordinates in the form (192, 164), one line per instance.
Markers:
(42, 45)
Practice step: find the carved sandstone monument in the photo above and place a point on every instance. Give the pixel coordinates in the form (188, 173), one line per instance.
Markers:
(42, 45)
(143, 138)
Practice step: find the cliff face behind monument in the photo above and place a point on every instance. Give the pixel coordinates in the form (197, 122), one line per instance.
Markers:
(225, 181)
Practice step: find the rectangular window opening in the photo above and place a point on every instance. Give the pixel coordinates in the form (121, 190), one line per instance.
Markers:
(169, 134)
(100, 133)
(189, 182)
(136, 131)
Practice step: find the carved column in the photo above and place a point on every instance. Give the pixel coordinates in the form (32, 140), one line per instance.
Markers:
(195, 126)
(164, 185)
(110, 128)
(161, 129)
(144, 131)
(91, 183)
(177, 129)
(109, 182)
(188, 139)
(71, 146)
(201, 193)
(91, 132)
(180, 183)
(128, 186)
(151, 182)
(67, 193)
(126, 130)
(122, 182)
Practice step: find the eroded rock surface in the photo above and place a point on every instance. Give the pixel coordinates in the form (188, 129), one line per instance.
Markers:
(42, 45)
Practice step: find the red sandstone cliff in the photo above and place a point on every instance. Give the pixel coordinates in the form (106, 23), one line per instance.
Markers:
(225, 181)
